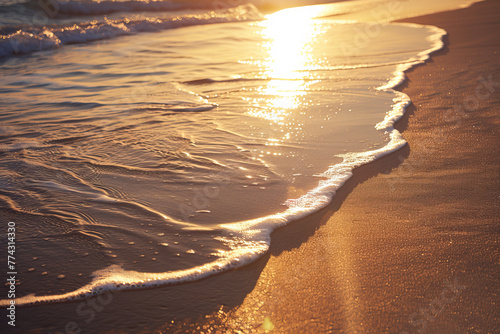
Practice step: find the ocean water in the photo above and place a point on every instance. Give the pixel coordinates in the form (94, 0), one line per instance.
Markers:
(145, 143)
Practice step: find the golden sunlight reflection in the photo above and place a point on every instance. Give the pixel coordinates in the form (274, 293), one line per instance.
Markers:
(289, 33)
(288, 37)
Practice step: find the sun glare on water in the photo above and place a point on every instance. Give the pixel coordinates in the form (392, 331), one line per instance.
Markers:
(288, 36)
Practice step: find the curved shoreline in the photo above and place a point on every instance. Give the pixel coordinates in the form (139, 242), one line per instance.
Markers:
(386, 251)
(114, 278)
(371, 261)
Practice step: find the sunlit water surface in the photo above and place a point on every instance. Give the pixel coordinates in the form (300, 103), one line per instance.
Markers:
(167, 156)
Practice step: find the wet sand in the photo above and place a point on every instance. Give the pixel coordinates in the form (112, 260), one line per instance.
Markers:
(410, 243)
(414, 250)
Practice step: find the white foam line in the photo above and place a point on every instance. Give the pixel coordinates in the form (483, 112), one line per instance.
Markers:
(249, 240)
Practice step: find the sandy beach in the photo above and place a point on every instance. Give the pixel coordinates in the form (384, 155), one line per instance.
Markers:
(408, 245)
(413, 247)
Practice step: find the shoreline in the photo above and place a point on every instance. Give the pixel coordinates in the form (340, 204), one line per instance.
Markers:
(414, 249)
(325, 260)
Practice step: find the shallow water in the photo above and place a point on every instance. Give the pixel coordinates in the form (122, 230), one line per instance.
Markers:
(145, 155)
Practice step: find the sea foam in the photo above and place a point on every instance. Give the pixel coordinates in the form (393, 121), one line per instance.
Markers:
(250, 239)
(28, 39)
